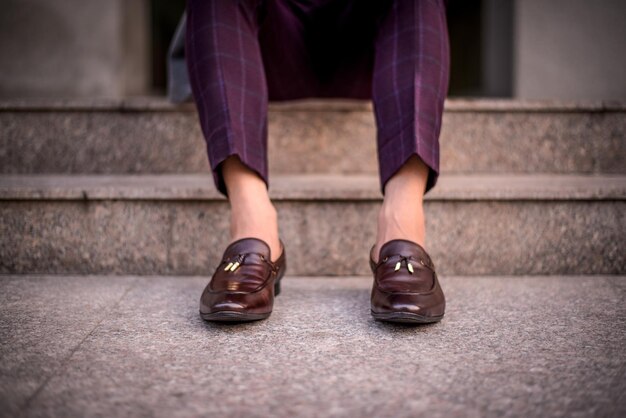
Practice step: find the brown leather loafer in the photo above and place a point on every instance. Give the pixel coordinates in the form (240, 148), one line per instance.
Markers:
(244, 284)
(406, 288)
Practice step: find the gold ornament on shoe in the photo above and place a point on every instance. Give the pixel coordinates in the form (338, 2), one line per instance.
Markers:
(232, 266)
(409, 266)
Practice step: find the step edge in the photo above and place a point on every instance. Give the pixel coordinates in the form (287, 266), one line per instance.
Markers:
(159, 104)
(452, 187)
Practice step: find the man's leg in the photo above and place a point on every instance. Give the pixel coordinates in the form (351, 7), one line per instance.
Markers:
(229, 88)
(411, 74)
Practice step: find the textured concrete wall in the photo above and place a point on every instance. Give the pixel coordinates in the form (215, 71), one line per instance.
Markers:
(570, 49)
(73, 48)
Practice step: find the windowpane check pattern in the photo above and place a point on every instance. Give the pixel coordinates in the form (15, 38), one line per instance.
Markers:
(241, 54)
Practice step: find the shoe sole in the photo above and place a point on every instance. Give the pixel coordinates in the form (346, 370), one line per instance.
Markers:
(235, 316)
(405, 317)
(232, 316)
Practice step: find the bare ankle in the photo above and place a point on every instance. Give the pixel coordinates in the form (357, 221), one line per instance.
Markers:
(258, 221)
(400, 221)
(252, 213)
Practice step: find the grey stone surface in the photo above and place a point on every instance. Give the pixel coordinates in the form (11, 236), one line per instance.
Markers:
(507, 347)
(313, 187)
(42, 322)
(528, 142)
(102, 142)
(150, 136)
(157, 103)
(534, 225)
(74, 48)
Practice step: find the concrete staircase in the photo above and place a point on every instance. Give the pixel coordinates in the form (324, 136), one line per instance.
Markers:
(110, 227)
(123, 187)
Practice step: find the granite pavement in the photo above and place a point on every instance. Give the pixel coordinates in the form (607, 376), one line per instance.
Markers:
(135, 346)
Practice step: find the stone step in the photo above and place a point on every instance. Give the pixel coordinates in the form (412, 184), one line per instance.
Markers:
(178, 224)
(310, 136)
(546, 346)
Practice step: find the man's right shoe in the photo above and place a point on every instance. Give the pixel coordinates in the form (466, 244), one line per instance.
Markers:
(244, 284)
(406, 288)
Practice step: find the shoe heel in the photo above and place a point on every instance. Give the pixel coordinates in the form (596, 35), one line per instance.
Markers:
(277, 288)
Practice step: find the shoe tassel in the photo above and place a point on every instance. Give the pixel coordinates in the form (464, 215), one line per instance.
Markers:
(409, 266)
(232, 266)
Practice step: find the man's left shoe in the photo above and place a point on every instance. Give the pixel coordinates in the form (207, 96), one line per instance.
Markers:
(406, 288)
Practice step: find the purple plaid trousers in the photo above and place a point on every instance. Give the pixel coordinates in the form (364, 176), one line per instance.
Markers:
(244, 53)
